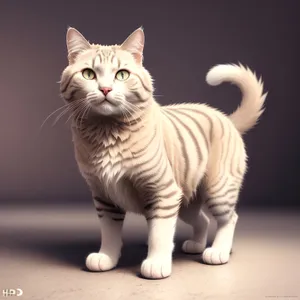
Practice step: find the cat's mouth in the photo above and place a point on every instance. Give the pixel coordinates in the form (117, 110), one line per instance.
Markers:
(104, 101)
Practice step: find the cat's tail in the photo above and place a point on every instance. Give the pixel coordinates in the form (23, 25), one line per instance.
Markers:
(251, 108)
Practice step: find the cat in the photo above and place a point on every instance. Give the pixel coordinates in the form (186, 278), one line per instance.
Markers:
(165, 162)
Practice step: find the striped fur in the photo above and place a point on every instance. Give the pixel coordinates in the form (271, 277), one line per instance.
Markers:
(159, 161)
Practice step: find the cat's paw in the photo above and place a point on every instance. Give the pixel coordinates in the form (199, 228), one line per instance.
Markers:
(193, 247)
(100, 262)
(215, 256)
(156, 268)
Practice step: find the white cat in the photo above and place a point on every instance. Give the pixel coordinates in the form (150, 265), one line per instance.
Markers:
(163, 162)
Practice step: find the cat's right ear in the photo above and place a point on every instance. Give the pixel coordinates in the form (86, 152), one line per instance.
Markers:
(76, 43)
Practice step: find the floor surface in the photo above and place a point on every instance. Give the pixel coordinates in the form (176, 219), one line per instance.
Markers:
(43, 251)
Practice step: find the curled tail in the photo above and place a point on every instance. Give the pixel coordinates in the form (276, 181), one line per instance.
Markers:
(251, 108)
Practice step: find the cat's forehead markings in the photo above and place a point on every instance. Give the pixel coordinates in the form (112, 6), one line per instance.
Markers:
(100, 61)
(99, 66)
(106, 51)
(119, 62)
(116, 62)
(105, 54)
(122, 66)
(97, 63)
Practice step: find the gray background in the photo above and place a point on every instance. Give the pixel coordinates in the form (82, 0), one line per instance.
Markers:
(42, 244)
(183, 40)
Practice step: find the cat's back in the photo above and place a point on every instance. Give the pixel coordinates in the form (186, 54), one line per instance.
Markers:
(208, 121)
(200, 109)
(192, 118)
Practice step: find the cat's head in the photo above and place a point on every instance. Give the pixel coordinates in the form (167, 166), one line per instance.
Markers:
(106, 80)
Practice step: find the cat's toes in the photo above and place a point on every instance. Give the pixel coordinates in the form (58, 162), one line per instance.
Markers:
(156, 268)
(100, 262)
(215, 256)
(193, 247)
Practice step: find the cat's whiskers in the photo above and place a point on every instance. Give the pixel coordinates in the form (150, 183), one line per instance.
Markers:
(85, 112)
(125, 114)
(135, 109)
(79, 110)
(74, 111)
(120, 99)
(131, 112)
(60, 115)
(51, 114)
(69, 117)
(69, 107)
(134, 106)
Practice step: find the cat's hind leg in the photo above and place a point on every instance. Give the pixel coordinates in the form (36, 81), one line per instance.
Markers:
(221, 204)
(194, 216)
(224, 176)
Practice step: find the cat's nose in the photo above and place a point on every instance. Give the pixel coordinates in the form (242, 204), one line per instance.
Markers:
(105, 90)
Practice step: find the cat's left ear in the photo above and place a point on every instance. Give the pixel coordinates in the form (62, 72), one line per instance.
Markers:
(135, 44)
(76, 43)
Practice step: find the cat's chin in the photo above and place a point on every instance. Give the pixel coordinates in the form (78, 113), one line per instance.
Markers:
(106, 109)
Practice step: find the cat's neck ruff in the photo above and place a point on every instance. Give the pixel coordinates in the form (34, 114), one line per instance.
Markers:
(108, 131)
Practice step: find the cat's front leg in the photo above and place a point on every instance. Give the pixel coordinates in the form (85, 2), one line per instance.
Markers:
(161, 214)
(111, 223)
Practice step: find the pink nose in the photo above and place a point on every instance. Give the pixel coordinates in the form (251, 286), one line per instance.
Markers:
(105, 90)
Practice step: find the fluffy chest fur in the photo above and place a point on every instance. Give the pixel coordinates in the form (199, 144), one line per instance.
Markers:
(108, 155)
(102, 150)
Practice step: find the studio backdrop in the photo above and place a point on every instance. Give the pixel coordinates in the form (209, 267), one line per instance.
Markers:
(183, 42)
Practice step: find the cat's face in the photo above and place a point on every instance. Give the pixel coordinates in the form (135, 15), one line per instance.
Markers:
(106, 80)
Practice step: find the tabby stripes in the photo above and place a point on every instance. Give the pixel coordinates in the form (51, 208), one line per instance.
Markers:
(108, 209)
(182, 145)
(183, 110)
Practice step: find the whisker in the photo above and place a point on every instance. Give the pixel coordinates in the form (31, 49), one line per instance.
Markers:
(130, 111)
(133, 108)
(72, 114)
(51, 114)
(84, 111)
(69, 107)
(125, 114)
(89, 109)
(80, 109)
(60, 115)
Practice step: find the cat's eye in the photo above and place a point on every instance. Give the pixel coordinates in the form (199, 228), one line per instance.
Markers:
(122, 75)
(88, 74)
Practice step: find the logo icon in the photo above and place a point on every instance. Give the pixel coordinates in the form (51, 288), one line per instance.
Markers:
(12, 292)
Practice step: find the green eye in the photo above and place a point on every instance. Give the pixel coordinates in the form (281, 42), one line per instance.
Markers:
(88, 74)
(122, 75)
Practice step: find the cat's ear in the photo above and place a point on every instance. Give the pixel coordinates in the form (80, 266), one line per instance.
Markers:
(76, 43)
(135, 44)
